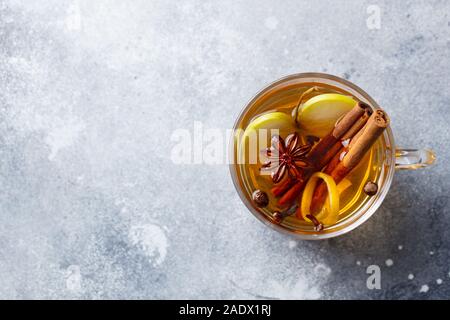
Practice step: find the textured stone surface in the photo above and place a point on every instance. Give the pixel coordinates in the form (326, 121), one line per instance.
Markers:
(91, 205)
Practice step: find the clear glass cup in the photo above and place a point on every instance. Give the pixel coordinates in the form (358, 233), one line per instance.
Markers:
(392, 158)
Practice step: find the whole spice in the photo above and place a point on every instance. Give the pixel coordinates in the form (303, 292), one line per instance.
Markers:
(278, 216)
(371, 188)
(317, 225)
(287, 156)
(260, 198)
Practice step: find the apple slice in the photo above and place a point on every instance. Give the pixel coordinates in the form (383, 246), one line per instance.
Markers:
(271, 121)
(250, 140)
(319, 114)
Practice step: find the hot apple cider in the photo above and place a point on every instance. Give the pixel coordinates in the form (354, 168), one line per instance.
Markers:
(309, 155)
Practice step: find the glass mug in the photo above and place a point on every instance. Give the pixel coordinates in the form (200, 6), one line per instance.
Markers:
(392, 158)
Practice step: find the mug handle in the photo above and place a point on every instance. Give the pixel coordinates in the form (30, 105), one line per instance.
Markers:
(411, 159)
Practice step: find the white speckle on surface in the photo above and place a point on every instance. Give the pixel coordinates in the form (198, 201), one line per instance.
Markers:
(410, 276)
(439, 281)
(73, 19)
(271, 23)
(62, 135)
(400, 247)
(285, 284)
(389, 262)
(358, 263)
(424, 288)
(73, 278)
(152, 240)
(431, 253)
(119, 201)
(301, 289)
(23, 65)
(292, 244)
(322, 270)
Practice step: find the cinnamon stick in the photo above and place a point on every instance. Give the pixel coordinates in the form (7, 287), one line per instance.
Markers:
(335, 161)
(326, 148)
(359, 123)
(359, 146)
(292, 193)
(282, 187)
(376, 124)
(347, 140)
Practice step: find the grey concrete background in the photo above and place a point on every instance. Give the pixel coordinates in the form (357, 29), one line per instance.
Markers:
(91, 205)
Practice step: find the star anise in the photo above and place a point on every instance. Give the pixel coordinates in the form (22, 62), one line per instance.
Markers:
(287, 156)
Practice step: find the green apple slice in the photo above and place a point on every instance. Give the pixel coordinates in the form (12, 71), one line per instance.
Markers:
(319, 114)
(271, 120)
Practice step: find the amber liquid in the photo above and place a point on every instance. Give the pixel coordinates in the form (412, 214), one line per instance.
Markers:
(285, 99)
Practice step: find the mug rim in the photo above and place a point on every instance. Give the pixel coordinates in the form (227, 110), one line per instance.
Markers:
(374, 205)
